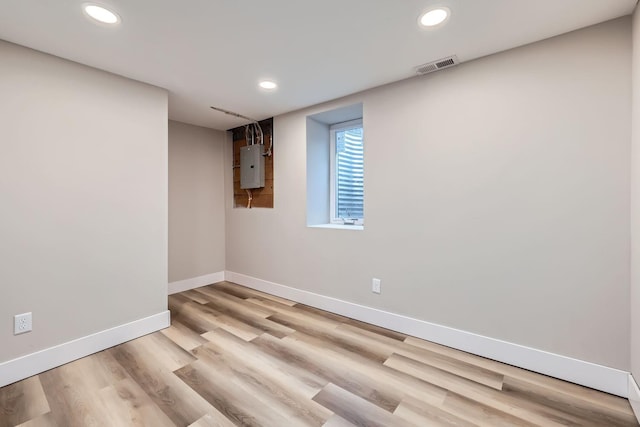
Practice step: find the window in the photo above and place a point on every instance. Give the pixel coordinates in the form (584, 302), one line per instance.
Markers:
(335, 168)
(347, 173)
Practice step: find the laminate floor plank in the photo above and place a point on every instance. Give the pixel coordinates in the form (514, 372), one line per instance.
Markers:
(583, 413)
(296, 312)
(476, 373)
(487, 396)
(230, 394)
(421, 414)
(46, 420)
(177, 302)
(244, 315)
(337, 421)
(72, 401)
(238, 317)
(165, 353)
(234, 356)
(195, 296)
(375, 329)
(238, 332)
(22, 401)
(356, 410)
(187, 313)
(482, 415)
(332, 336)
(232, 302)
(172, 396)
(378, 376)
(332, 371)
(246, 293)
(210, 420)
(302, 381)
(126, 404)
(98, 371)
(307, 310)
(183, 336)
(272, 305)
(348, 321)
(72, 390)
(103, 365)
(230, 404)
(205, 319)
(284, 393)
(591, 397)
(192, 322)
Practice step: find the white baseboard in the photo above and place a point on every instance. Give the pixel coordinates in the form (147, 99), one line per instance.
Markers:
(43, 360)
(634, 396)
(577, 371)
(195, 282)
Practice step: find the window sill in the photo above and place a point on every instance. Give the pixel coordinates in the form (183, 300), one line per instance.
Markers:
(338, 226)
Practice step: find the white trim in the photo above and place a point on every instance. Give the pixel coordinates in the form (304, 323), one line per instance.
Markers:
(195, 282)
(338, 226)
(43, 360)
(577, 371)
(634, 396)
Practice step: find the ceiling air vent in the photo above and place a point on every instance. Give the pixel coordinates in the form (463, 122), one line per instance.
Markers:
(440, 64)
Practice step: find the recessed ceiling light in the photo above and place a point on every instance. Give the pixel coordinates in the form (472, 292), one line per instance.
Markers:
(434, 17)
(268, 84)
(100, 14)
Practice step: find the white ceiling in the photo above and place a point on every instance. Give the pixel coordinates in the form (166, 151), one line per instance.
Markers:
(214, 52)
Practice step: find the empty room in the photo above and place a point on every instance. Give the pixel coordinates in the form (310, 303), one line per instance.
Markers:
(339, 213)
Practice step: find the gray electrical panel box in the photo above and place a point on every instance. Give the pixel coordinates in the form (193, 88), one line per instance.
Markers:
(251, 167)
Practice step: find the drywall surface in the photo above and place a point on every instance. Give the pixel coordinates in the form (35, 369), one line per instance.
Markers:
(196, 201)
(496, 200)
(318, 179)
(83, 216)
(635, 200)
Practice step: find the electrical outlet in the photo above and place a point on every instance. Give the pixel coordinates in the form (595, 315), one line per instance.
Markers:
(375, 286)
(22, 323)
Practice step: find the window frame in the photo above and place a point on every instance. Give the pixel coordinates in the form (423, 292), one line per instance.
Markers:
(333, 129)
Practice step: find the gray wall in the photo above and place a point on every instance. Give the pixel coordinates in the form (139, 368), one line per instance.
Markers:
(497, 200)
(196, 201)
(318, 176)
(635, 202)
(83, 214)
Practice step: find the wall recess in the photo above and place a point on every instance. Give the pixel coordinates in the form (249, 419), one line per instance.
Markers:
(261, 197)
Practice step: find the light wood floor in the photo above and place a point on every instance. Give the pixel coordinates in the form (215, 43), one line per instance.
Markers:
(234, 356)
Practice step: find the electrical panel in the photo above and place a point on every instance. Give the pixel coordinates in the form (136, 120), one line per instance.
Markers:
(251, 167)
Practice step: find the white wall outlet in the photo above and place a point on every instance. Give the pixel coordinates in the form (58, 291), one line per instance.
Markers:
(22, 323)
(375, 286)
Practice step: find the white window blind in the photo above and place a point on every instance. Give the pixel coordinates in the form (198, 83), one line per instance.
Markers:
(349, 172)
